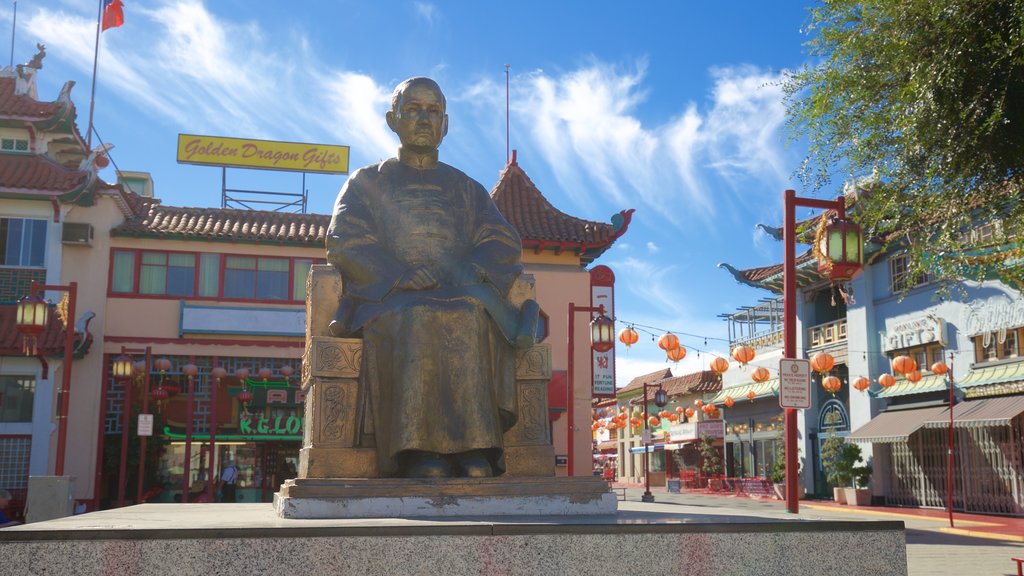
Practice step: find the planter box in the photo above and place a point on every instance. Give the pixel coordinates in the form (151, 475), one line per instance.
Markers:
(840, 495)
(857, 496)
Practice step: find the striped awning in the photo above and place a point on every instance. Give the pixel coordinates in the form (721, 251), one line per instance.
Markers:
(650, 448)
(739, 393)
(1002, 374)
(895, 425)
(904, 387)
(980, 413)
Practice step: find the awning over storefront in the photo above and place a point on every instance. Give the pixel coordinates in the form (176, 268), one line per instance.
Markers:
(739, 393)
(980, 413)
(895, 425)
(1005, 378)
(650, 448)
(904, 387)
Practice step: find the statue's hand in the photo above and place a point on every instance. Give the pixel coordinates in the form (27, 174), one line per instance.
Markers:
(419, 278)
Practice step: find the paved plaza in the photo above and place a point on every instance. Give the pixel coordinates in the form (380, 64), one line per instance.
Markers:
(930, 550)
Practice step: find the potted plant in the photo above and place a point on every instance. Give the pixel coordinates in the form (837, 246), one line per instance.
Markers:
(859, 495)
(778, 472)
(710, 462)
(840, 462)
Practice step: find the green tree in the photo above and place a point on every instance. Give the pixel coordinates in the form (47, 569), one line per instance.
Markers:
(926, 96)
(840, 461)
(710, 456)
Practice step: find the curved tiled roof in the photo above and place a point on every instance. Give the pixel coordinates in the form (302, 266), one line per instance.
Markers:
(48, 344)
(636, 384)
(224, 224)
(24, 172)
(23, 106)
(542, 226)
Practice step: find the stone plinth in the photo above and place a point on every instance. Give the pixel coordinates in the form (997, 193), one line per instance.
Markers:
(422, 497)
(247, 539)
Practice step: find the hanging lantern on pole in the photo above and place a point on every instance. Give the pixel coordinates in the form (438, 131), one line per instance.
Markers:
(839, 249)
(602, 333)
(122, 368)
(31, 319)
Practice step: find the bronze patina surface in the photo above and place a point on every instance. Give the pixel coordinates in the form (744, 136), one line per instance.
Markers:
(427, 265)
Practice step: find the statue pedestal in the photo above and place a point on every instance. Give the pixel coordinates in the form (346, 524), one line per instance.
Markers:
(421, 497)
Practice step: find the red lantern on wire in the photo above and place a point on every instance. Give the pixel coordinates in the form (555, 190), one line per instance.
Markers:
(244, 395)
(668, 341)
(654, 422)
(286, 371)
(628, 336)
(698, 403)
(939, 368)
(831, 384)
(861, 384)
(822, 362)
(904, 364)
(159, 394)
(760, 374)
(689, 412)
(676, 354)
(751, 395)
(886, 380)
(719, 365)
(743, 354)
(913, 376)
(729, 402)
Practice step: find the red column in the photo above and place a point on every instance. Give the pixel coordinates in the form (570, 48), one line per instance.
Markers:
(142, 439)
(789, 351)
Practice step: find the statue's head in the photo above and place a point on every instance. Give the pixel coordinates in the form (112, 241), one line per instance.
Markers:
(417, 113)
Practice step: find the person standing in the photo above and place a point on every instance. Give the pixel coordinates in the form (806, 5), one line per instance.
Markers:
(5, 498)
(228, 482)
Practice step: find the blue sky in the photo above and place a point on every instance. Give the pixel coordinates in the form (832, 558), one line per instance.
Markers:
(671, 108)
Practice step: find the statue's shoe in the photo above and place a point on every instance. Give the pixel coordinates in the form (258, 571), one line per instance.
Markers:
(473, 465)
(427, 465)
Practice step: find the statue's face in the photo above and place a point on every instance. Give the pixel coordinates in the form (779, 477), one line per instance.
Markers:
(420, 120)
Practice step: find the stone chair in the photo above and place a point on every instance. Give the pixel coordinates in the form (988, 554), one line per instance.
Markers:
(338, 436)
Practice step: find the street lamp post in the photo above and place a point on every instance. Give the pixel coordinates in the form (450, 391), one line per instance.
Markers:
(843, 244)
(64, 394)
(602, 339)
(660, 399)
(124, 369)
(949, 458)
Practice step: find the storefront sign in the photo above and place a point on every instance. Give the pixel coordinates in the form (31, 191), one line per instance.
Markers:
(271, 426)
(264, 154)
(687, 431)
(915, 331)
(993, 315)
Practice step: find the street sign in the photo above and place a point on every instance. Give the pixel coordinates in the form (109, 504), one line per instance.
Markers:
(794, 383)
(145, 424)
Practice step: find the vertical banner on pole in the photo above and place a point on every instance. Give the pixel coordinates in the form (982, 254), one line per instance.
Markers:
(602, 293)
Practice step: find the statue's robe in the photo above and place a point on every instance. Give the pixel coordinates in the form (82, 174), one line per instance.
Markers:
(438, 369)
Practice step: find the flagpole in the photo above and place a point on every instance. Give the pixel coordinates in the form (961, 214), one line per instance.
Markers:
(14, 27)
(95, 60)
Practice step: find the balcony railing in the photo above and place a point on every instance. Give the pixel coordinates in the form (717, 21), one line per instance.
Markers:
(762, 341)
(827, 333)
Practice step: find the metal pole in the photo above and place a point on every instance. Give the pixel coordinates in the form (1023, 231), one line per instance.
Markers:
(65, 386)
(212, 476)
(143, 439)
(188, 441)
(14, 28)
(569, 390)
(95, 62)
(647, 496)
(949, 460)
(789, 331)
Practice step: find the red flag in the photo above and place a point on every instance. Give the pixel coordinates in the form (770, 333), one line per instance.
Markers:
(113, 15)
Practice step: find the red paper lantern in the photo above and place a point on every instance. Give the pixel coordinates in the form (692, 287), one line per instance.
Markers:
(218, 372)
(159, 394)
(751, 395)
(729, 401)
(162, 364)
(839, 251)
(822, 362)
(628, 336)
(886, 380)
(861, 384)
(190, 370)
(913, 376)
(286, 371)
(172, 389)
(242, 373)
(676, 354)
(939, 368)
(679, 409)
(903, 364)
(698, 403)
(831, 384)
(654, 422)
(760, 374)
(719, 365)
(244, 395)
(668, 342)
(743, 354)
(689, 412)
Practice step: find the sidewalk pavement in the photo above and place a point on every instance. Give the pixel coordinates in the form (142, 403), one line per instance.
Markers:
(989, 527)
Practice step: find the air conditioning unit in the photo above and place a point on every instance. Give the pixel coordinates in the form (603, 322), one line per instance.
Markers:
(77, 233)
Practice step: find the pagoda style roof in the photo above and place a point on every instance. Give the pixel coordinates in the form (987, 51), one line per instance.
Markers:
(543, 227)
(34, 174)
(703, 381)
(48, 344)
(771, 277)
(15, 106)
(636, 384)
(154, 220)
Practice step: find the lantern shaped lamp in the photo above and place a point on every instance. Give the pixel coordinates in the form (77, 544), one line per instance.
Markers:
(719, 365)
(31, 319)
(668, 341)
(760, 374)
(660, 398)
(628, 336)
(122, 368)
(841, 247)
(676, 354)
(602, 334)
(743, 354)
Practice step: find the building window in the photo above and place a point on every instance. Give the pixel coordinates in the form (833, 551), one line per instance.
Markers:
(22, 242)
(14, 456)
(302, 267)
(14, 144)
(17, 394)
(170, 273)
(924, 356)
(1001, 345)
(257, 278)
(900, 277)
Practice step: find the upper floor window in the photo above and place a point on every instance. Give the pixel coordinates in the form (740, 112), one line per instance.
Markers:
(984, 234)
(22, 242)
(14, 144)
(925, 356)
(1000, 345)
(206, 275)
(17, 394)
(900, 277)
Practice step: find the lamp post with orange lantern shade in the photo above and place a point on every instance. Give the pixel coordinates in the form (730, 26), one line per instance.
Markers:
(602, 339)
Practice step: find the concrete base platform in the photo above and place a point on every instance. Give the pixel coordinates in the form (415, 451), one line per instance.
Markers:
(250, 539)
(421, 497)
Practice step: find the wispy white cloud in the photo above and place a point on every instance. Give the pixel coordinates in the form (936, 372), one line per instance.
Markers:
(652, 248)
(427, 11)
